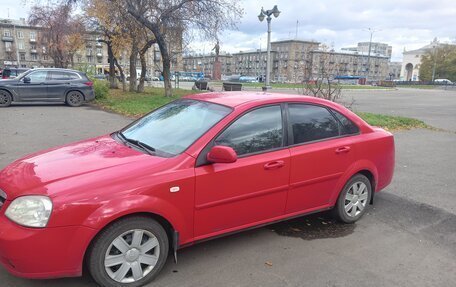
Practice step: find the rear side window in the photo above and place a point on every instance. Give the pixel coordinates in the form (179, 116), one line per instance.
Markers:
(58, 76)
(311, 123)
(347, 126)
(256, 131)
(73, 76)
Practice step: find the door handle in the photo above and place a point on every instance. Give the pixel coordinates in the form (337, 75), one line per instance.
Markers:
(343, 149)
(274, 164)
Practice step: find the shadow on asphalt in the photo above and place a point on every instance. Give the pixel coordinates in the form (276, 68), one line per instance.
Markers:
(315, 226)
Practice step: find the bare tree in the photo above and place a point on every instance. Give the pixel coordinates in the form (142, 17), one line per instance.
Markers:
(162, 17)
(321, 70)
(62, 32)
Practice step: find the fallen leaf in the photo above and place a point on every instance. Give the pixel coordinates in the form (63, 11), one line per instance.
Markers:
(269, 263)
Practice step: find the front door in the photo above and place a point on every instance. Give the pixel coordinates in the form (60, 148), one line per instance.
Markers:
(231, 196)
(320, 154)
(36, 89)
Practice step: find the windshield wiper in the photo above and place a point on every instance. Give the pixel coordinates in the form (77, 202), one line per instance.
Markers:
(147, 148)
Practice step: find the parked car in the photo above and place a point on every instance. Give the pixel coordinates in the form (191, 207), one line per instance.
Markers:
(47, 85)
(443, 81)
(11, 73)
(233, 161)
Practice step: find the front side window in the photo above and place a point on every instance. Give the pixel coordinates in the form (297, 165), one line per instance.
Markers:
(257, 131)
(37, 77)
(311, 123)
(171, 129)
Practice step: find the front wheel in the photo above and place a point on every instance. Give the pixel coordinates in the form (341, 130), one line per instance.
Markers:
(5, 98)
(130, 252)
(353, 199)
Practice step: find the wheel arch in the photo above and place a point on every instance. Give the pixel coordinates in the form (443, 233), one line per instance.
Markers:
(364, 167)
(74, 90)
(13, 98)
(165, 223)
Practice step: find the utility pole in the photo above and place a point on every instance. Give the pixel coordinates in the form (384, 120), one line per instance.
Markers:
(297, 25)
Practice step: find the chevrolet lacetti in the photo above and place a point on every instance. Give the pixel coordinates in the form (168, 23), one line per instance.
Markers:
(197, 168)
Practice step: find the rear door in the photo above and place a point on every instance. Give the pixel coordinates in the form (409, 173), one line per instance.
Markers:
(321, 152)
(58, 83)
(36, 90)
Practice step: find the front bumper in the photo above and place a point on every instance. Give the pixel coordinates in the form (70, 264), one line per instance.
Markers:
(43, 253)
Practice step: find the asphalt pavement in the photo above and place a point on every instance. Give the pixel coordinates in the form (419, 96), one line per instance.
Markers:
(407, 238)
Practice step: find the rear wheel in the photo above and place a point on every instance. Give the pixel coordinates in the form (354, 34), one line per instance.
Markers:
(5, 98)
(130, 252)
(353, 199)
(74, 99)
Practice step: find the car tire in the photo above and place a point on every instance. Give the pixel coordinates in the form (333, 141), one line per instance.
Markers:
(353, 199)
(5, 98)
(130, 252)
(74, 99)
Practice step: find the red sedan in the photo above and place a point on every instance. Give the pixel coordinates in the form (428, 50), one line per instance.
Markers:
(196, 168)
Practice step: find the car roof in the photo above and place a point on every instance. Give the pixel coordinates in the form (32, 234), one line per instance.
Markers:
(57, 69)
(234, 99)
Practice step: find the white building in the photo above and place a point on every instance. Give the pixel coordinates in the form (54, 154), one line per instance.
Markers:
(410, 70)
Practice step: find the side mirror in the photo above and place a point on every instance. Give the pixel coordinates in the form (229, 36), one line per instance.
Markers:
(221, 154)
(26, 80)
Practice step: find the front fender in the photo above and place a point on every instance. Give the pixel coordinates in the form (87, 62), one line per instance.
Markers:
(134, 204)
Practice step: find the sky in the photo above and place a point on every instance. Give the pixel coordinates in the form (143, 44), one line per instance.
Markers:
(408, 24)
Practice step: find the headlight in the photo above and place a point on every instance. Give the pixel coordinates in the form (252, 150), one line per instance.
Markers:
(31, 211)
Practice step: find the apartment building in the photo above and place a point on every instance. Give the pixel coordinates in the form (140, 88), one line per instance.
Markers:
(376, 49)
(205, 63)
(374, 68)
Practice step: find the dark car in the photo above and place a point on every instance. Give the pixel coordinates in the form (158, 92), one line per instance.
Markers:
(47, 85)
(11, 73)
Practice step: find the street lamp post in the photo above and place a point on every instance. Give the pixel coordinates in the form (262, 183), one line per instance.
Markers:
(274, 11)
(371, 31)
(435, 63)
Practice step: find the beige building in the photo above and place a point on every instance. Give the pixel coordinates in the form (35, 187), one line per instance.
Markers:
(377, 49)
(205, 64)
(296, 61)
(374, 68)
(21, 46)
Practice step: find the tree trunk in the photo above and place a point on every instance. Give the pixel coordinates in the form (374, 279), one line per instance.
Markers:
(155, 29)
(133, 58)
(142, 57)
(142, 78)
(166, 64)
(122, 75)
(112, 70)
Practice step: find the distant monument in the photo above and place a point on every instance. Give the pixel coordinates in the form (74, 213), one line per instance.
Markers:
(217, 66)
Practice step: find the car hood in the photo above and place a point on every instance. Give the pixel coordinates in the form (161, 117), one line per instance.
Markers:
(7, 81)
(32, 174)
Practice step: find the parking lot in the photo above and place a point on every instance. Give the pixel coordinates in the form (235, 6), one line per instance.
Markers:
(408, 238)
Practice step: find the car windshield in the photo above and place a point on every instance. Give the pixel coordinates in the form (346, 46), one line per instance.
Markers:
(21, 75)
(172, 128)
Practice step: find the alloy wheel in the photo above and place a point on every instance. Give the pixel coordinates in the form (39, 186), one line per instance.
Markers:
(356, 199)
(131, 256)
